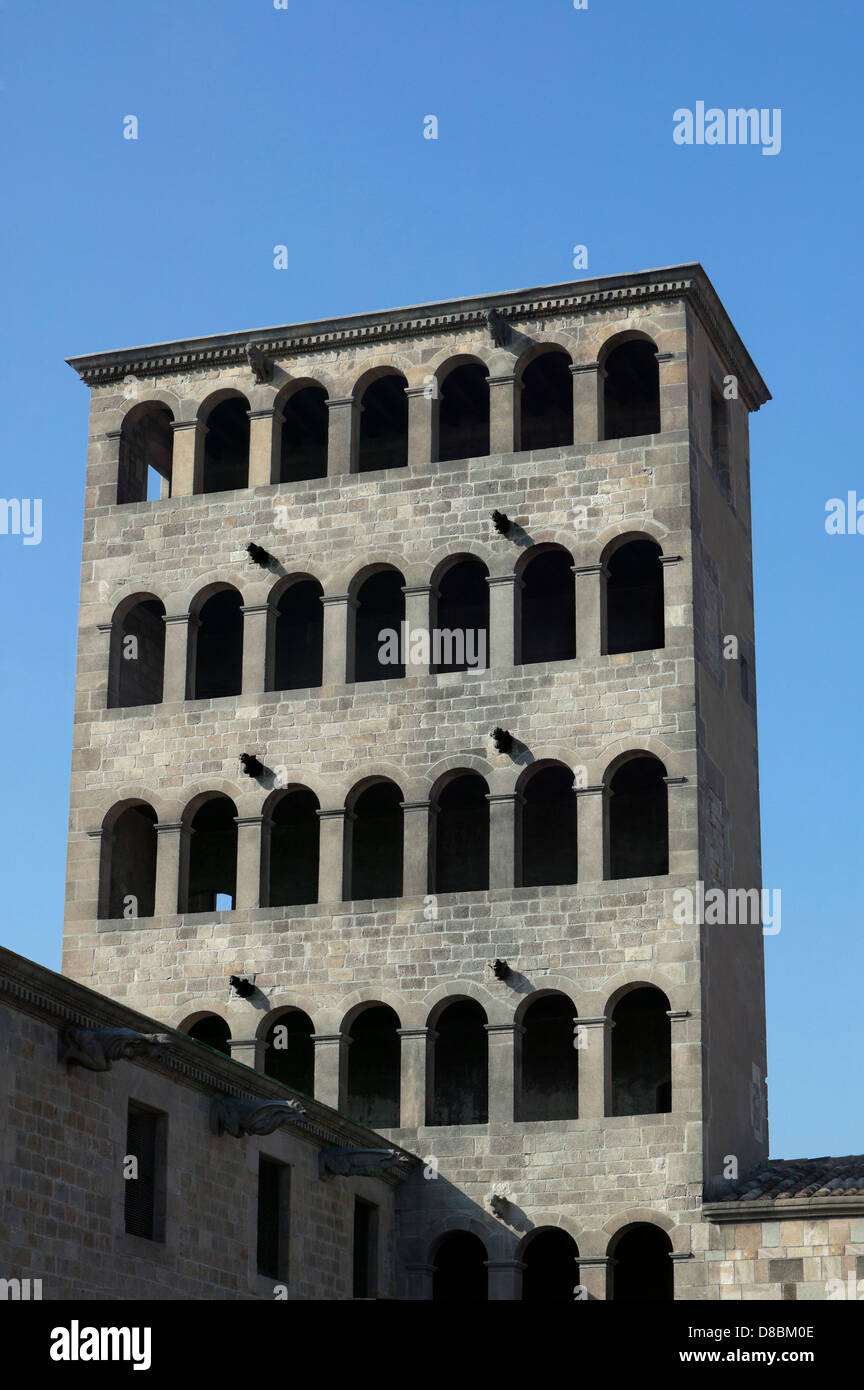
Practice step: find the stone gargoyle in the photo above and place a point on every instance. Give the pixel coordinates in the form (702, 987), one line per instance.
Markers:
(336, 1162)
(259, 363)
(498, 326)
(97, 1048)
(228, 1115)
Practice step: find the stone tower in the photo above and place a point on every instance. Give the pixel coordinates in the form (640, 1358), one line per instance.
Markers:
(465, 740)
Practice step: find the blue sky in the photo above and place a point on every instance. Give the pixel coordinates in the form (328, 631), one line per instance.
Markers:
(304, 126)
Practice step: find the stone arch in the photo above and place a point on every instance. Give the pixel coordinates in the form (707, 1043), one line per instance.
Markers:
(641, 1051)
(209, 860)
(460, 608)
(463, 404)
(225, 446)
(439, 998)
(181, 1019)
(136, 659)
(550, 1255)
(377, 591)
(301, 429)
(127, 867)
(460, 832)
(296, 634)
(545, 386)
(637, 816)
(546, 604)
(546, 835)
(211, 1028)
(630, 396)
(283, 1004)
(375, 838)
(155, 396)
(634, 600)
(146, 448)
(500, 1243)
(546, 1083)
(215, 642)
(290, 846)
(289, 1054)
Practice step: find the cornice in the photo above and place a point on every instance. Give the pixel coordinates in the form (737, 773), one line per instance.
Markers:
(688, 283)
(62, 1002)
(784, 1209)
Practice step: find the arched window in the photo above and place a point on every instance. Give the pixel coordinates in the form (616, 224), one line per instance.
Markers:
(376, 842)
(299, 637)
(460, 1270)
(137, 660)
(461, 1066)
(374, 1068)
(463, 413)
(213, 857)
(226, 446)
(290, 1052)
(379, 616)
(213, 1031)
(548, 816)
(551, 1274)
(383, 424)
(547, 627)
(460, 634)
(129, 847)
(631, 390)
(461, 835)
(549, 1082)
(634, 598)
(643, 1271)
(303, 448)
(146, 452)
(642, 1053)
(547, 401)
(294, 839)
(218, 667)
(639, 820)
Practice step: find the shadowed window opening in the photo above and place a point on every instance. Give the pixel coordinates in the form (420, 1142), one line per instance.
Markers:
(212, 855)
(639, 820)
(461, 628)
(549, 828)
(383, 425)
(299, 637)
(219, 647)
(294, 841)
(720, 438)
(461, 828)
(548, 619)
(274, 1205)
(146, 449)
(461, 1066)
(642, 1054)
(547, 402)
(226, 446)
(213, 1032)
(551, 1273)
(365, 1282)
(376, 843)
(631, 391)
(460, 1270)
(144, 1198)
(290, 1055)
(644, 1273)
(132, 846)
(138, 657)
(463, 413)
(380, 609)
(550, 1062)
(374, 1068)
(635, 620)
(303, 450)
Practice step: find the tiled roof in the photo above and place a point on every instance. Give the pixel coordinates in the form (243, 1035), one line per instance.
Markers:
(780, 1179)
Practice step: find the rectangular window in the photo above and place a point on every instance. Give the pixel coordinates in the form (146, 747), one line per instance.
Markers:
(720, 439)
(145, 1177)
(365, 1249)
(274, 1210)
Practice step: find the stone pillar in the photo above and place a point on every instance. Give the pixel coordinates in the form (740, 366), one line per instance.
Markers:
(172, 853)
(338, 639)
(685, 1077)
(588, 378)
(504, 808)
(683, 814)
(104, 844)
(591, 831)
(594, 1066)
(333, 858)
(111, 656)
(673, 390)
(503, 1039)
(249, 1051)
(415, 854)
(416, 1058)
(505, 394)
(109, 458)
(187, 465)
(505, 1280)
(503, 594)
(331, 1069)
(343, 435)
(418, 615)
(258, 622)
(248, 890)
(595, 1272)
(590, 609)
(419, 1282)
(265, 427)
(422, 424)
(677, 600)
(178, 664)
